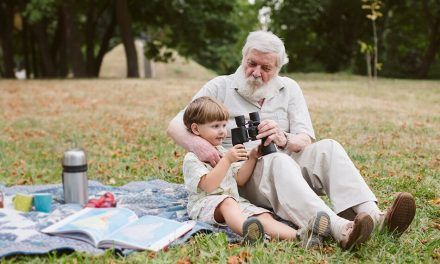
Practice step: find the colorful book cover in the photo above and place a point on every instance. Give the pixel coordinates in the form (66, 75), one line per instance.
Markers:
(120, 228)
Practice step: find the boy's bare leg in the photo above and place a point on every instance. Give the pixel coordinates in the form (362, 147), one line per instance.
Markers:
(229, 212)
(276, 229)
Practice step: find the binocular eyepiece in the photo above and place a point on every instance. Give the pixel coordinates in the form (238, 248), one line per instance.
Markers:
(248, 131)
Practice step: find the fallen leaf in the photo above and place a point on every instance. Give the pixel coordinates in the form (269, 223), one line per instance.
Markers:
(435, 201)
(244, 256)
(233, 260)
(184, 261)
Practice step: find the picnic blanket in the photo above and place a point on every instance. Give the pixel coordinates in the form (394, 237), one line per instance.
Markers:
(20, 232)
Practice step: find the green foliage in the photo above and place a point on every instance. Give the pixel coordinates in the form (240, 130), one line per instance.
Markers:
(36, 10)
(406, 37)
(209, 31)
(365, 48)
(324, 35)
(319, 35)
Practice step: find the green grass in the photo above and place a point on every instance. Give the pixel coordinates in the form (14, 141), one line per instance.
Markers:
(391, 130)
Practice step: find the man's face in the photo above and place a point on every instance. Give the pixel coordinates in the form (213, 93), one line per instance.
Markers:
(260, 67)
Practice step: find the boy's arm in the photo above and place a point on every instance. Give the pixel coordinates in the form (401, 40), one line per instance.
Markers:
(246, 170)
(212, 179)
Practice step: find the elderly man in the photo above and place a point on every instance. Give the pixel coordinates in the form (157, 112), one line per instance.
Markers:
(290, 180)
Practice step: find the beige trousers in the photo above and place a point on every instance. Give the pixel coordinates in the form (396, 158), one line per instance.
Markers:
(290, 185)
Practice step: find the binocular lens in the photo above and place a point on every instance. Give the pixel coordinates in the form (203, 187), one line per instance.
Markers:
(240, 121)
(239, 135)
(254, 116)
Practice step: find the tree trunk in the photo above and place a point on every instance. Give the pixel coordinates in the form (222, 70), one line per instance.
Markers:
(368, 61)
(6, 27)
(124, 22)
(73, 40)
(26, 40)
(375, 52)
(58, 49)
(433, 40)
(105, 41)
(148, 68)
(428, 58)
(90, 35)
(35, 69)
(39, 30)
(62, 60)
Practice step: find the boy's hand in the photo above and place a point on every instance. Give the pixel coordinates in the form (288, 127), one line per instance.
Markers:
(236, 153)
(255, 153)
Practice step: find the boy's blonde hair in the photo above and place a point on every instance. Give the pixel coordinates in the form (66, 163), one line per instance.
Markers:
(204, 110)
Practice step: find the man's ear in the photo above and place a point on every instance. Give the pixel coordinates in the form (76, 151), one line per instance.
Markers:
(195, 129)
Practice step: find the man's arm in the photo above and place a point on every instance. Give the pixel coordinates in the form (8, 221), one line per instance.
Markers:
(296, 143)
(202, 148)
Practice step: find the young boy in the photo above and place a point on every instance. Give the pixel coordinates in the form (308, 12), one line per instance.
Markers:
(213, 192)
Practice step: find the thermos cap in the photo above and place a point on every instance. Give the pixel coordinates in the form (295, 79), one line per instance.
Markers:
(74, 157)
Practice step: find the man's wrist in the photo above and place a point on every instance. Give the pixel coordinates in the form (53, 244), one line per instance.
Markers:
(287, 141)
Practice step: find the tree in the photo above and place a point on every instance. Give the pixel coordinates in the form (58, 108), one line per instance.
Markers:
(324, 35)
(431, 11)
(367, 50)
(374, 8)
(6, 28)
(124, 22)
(319, 35)
(195, 30)
(73, 38)
(57, 37)
(409, 43)
(60, 36)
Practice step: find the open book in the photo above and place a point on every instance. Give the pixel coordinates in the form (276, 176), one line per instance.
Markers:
(120, 228)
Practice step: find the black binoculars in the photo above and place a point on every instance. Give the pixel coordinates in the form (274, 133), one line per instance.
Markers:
(248, 132)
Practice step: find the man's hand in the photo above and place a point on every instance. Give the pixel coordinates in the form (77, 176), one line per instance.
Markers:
(205, 151)
(236, 153)
(270, 129)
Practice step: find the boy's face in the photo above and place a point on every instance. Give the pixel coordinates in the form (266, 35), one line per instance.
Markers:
(214, 132)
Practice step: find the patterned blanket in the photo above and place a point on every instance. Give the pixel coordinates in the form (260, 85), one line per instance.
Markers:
(19, 232)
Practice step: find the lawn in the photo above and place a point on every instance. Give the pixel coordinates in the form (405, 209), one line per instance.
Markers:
(391, 130)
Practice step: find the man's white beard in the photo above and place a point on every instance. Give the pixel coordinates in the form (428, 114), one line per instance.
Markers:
(254, 89)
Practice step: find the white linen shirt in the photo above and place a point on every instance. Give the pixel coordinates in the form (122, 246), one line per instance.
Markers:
(287, 107)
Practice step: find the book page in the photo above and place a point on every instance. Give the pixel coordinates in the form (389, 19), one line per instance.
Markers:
(149, 232)
(97, 223)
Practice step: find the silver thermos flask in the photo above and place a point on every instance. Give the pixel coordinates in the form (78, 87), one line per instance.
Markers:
(75, 185)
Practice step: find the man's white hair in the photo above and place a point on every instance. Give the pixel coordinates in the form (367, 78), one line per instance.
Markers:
(264, 41)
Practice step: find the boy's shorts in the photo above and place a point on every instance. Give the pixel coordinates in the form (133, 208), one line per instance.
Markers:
(211, 202)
